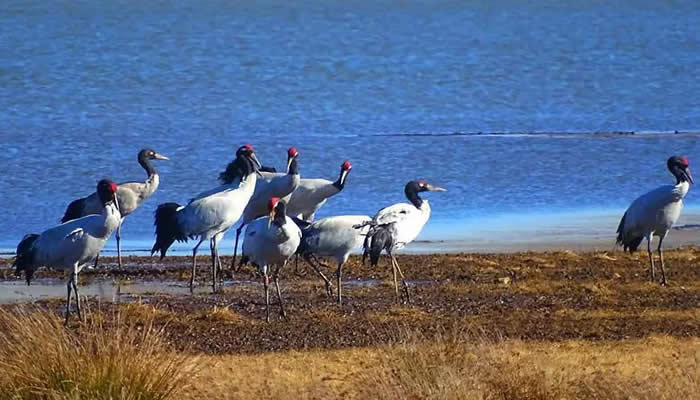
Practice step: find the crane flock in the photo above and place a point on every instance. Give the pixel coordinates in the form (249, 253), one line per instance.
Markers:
(277, 210)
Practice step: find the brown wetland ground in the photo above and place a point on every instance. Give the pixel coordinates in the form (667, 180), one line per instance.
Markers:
(546, 325)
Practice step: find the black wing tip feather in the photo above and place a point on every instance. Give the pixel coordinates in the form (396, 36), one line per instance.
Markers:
(167, 229)
(25, 259)
(378, 238)
(629, 244)
(74, 210)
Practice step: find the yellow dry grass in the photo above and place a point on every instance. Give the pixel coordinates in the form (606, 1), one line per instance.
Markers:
(658, 367)
(42, 359)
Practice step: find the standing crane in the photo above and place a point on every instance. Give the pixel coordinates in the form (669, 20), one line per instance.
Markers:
(271, 184)
(269, 242)
(654, 213)
(209, 215)
(72, 244)
(397, 225)
(312, 194)
(130, 195)
(333, 237)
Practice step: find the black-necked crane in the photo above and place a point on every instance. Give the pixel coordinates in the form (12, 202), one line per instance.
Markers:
(271, 184)
(312, 194)
(130, 195)
(209, 215)
(397, 225)
(269, 242)
(333, 237)
(72, 244)
(654, 213)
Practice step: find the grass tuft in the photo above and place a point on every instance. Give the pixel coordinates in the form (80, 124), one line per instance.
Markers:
(42, 359)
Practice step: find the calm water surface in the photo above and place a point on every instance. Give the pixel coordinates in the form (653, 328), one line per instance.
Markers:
(84, 85)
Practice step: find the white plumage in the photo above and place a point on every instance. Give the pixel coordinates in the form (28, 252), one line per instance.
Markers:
(70, 245)
(270, 184)
(209, 215)
(312, 194)
(654, 213)
(130, 195)
(333, 237)
(397, 225)
(269, 242)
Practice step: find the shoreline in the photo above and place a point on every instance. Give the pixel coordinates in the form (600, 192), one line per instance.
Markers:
(581, 230)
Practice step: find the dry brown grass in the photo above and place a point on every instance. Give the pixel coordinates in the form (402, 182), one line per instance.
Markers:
(42, 359)
(458, 365)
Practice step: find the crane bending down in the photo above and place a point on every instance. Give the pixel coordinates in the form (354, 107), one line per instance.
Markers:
(209, 215)
(130, 195)
(333, 237)
(271, 184)
(312, 194)
(397, 225)
(654, 213)
(72, 244)
(269, 242)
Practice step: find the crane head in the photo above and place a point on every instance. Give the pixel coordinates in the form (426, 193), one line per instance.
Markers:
(680, 168)
(150, 154)
(272, 209)
(424, 186)
(292, 154)
(106, 190)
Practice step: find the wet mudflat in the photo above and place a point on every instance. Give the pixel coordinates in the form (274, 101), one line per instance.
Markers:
(547, 296)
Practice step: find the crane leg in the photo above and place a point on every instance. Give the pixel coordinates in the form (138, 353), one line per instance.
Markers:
(194, 265)
(77, 297)
(266, 285)
(661, 259)
(329, 286)
(97, 258)
(403, 279)
(651, 258)
(69, 287)
(119, 244)
(339, 276)
(396, 285)
(235, 249)
(276, 277)
(212, 248)
(297, 271)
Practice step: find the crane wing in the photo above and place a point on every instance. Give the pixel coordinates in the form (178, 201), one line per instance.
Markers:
(394, 213)
(75, 235)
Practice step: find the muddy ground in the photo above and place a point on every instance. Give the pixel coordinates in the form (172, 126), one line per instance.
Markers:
(531, 296)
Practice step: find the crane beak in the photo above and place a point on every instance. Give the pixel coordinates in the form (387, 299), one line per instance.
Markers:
(687, 174)
(160, 157)
(256, 164)
(435, 188)
(271, 217)
(255, 160)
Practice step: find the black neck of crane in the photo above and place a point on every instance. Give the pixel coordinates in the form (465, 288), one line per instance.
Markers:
(146, 164)
(411, 191)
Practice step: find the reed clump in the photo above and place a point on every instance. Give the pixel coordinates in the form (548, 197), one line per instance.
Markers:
(42, 359)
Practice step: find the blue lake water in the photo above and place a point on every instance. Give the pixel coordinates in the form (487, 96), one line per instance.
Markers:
(84, 85)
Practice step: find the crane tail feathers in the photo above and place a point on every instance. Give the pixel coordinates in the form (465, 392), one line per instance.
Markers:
(74, 210)
(167, 228)
(378, 238)
(25, 261)
(627, 241)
